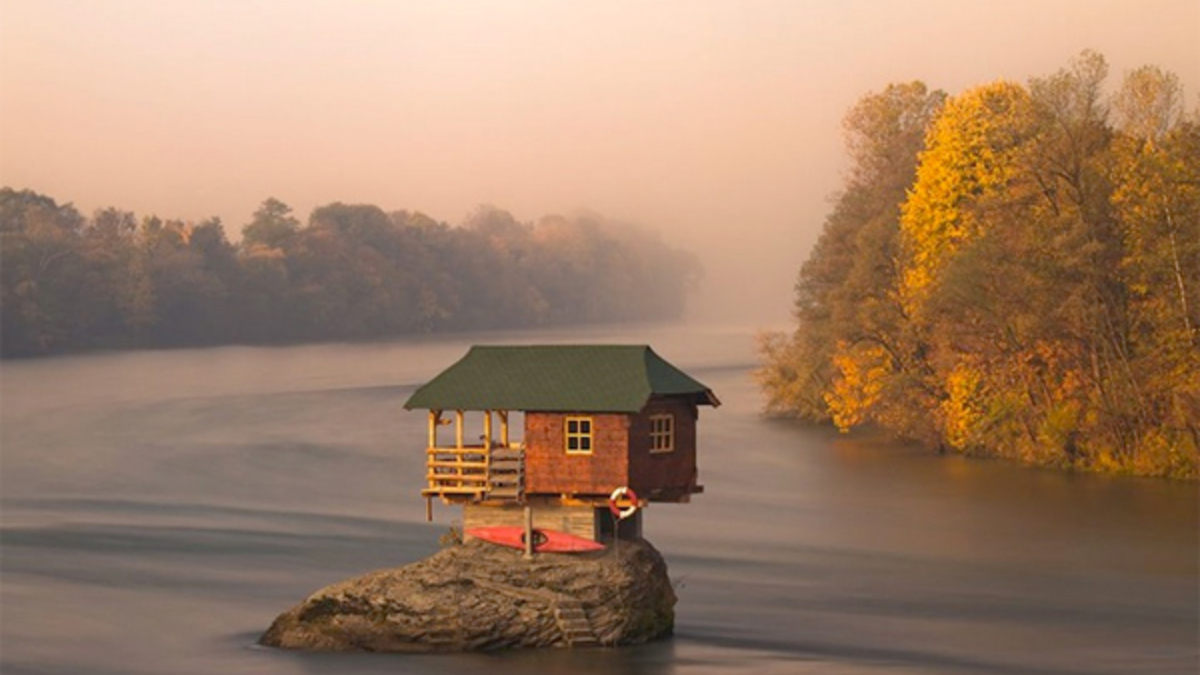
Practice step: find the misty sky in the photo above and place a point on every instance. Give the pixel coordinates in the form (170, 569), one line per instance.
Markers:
(717, 123)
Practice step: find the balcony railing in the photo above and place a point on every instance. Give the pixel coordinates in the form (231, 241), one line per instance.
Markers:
(476, 472)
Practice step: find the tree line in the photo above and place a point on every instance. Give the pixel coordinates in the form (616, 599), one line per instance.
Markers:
(1013, 271)
(112, 280)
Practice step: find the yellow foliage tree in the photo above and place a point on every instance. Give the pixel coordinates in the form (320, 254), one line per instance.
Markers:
(1036, 296)
(962, 410)
(971, 152)
(862, 371)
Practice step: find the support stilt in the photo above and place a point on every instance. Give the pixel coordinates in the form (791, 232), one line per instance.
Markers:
(528, 532)
(616, 536)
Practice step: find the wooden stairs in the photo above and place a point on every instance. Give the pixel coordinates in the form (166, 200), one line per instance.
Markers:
(569, 615)
(506, 473)
(573, 622)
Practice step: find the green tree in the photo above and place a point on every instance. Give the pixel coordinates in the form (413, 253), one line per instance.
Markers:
(40, 246)
(272, 226)
(109, 244)
(354, 271)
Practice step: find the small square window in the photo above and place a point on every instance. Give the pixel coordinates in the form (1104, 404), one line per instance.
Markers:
(578, 435)
(662, 433)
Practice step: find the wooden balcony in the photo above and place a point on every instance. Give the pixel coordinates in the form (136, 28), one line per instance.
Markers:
(475, 473)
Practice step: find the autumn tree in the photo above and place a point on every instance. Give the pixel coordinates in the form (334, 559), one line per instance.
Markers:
(1039, 303)
(1156, 199)
(846, 305)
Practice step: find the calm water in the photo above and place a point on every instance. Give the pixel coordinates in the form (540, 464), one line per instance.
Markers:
(160, 508)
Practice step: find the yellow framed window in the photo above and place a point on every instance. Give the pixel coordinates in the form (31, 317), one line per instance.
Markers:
(577, 435)
(662, 433)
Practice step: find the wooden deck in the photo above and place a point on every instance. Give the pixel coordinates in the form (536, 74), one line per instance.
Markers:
(475, 472)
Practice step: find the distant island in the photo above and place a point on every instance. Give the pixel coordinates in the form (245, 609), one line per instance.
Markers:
(1013, 271)
(113, 280)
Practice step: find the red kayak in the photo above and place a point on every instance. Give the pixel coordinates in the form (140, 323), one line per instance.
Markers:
(544, 541)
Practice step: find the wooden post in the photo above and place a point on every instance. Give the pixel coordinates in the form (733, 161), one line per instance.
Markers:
(434, 419)
(458, 444)
(616, 537)
(429, 509)
(487, 450)
(503, 427)
(528, 532)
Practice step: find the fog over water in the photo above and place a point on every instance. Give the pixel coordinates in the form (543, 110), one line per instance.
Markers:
(717, 123)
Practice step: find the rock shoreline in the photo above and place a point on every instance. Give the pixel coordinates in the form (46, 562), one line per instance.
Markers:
(478, 596)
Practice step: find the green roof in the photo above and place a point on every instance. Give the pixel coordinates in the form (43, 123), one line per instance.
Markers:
(564, 378)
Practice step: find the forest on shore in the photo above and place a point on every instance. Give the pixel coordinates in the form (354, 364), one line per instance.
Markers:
(1013, 271)
(354, 271)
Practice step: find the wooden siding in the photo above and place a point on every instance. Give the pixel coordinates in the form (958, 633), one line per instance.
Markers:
(621, 455)
(577, 520)
(663, 476)
(549, 470)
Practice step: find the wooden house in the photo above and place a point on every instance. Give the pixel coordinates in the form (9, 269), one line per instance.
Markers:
(596, 418)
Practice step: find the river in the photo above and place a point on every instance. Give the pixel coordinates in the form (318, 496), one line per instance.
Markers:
(160, 508)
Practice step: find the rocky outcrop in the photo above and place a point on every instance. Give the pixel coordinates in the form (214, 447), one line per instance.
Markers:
(478, 596)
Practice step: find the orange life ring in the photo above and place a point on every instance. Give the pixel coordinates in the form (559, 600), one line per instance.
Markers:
(614, 502)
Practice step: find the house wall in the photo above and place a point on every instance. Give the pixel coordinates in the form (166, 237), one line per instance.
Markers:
(663, 476)
(550, 470)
